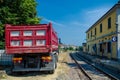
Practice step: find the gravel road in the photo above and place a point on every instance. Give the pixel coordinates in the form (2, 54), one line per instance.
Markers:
(64, 71)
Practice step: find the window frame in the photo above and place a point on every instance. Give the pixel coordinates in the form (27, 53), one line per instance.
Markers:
(109, 47)
(88, 35)
(100, 47)
(27, 33)
(101, 28)
(91, 34)
(109, 22)
(95, 31)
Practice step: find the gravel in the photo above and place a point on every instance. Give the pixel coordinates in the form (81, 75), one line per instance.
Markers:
(63, 72)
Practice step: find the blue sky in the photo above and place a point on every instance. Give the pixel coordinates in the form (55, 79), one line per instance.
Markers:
(71, 18)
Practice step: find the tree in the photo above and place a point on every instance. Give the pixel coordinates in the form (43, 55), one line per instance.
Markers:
(80, 48)
(17, 12)
(71, 48)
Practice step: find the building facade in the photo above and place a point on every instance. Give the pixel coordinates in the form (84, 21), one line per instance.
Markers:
(103, 37)
(84, 47)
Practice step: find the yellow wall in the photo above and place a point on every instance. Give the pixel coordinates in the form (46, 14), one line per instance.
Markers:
(105, 25)
(96, 39)
(114, 50)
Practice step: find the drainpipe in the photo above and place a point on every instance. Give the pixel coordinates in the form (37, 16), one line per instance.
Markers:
(117, 40)
(118, 33)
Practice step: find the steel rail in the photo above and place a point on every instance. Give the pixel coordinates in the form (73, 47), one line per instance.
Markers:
(80, 67)
(107, 74)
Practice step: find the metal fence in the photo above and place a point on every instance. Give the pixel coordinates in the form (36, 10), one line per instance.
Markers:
(5, 59)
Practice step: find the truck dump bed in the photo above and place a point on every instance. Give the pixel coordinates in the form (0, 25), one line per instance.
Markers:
(20, 39)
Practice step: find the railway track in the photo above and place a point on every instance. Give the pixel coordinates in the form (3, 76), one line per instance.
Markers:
(77, 75)
(111, 75)
(83, 76)
(89, 70)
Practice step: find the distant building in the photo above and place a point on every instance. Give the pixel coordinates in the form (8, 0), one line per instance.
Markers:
(103, 37)
(62, 46)
(72, 46)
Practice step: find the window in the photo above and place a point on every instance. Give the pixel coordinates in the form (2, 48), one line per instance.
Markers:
(27, 33)
(100, 47)
(91, 34)
(95, 31)
(27, 43)
(88, 35)
(109, 22)
(94, 48)
(109, 47)
(15, 43)
(14, 33)
(100, 28)
(88, 47)
(40, 42)
(40, 33)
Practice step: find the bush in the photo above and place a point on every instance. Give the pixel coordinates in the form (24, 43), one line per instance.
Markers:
(80, 48)
(2, 45)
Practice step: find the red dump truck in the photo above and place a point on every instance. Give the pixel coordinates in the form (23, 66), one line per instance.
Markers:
(34, 47)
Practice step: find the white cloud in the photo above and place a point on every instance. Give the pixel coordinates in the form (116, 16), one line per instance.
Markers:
(77, 23)
(68, 23)
(93, 15)
(53, 22)
(97, 11)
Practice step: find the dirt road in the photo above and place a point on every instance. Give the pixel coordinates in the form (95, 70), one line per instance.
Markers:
(64, 71)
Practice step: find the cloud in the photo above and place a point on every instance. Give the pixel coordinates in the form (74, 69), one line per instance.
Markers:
(77, 23)
(93, 15)
(97, 11)
(68, 23)
(53, 22)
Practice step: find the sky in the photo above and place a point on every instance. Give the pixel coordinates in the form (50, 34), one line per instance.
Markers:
(72, 18)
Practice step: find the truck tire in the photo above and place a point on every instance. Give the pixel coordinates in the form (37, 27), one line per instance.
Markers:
(52, 71)
(56, 57)
(54, 66)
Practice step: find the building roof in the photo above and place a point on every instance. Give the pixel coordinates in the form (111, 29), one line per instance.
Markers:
(107, 13)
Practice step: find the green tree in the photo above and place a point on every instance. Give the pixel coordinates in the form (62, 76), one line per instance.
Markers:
(71, 48)
(80, 48)
(17, 12)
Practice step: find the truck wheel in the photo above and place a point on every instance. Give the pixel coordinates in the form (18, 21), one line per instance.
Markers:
(52, 71)
(56, 57)
(54, 67)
